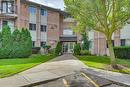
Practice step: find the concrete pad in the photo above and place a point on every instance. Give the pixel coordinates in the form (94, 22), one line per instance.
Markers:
(14, 81)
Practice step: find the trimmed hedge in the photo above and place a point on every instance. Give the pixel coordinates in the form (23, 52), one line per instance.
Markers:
(15, 45)
(122, 52)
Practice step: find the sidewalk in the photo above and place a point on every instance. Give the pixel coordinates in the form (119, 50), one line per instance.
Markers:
(56, 68)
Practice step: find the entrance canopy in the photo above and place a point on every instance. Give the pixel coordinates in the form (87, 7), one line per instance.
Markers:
(68, 38)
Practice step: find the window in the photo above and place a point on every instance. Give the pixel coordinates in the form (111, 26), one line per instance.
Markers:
(112, 43)
(32, 10)
(5, 23)
(33, 43)
(43, 28)
(43, 12)
(43, 44)
(32, 26)
(123, 42)
(7, 7)
(68, 32)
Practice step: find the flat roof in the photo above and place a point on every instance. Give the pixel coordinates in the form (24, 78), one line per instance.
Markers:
(44, 6)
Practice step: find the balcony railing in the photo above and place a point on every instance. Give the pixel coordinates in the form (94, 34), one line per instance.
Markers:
(8, 10)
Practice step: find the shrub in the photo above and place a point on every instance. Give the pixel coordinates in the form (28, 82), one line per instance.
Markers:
(35, 50)
(18, 44)
(52, 51)
(0, 40)
(26, 43)
(77, 49)
(85, 44)
(122, 52)
(85, 52)
(6, 42)
(46, 48)
(58, 49)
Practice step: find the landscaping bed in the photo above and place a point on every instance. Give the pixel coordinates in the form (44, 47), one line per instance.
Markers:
(13, 66)
(103, 62)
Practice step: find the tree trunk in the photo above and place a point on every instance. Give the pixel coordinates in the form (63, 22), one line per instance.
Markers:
(111, 52)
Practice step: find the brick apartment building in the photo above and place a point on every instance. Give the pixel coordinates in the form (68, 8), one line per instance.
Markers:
(46, 25)
(99, 45)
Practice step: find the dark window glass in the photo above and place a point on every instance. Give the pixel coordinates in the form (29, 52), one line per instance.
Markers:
(43, 28)
(122, 42)
(43, 12)
(33, 43)
(43, 44)
(112, 43)
(32, 26)
(5, 23)
(7, 7)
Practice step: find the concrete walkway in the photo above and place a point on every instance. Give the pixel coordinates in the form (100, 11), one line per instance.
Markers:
(58, 67)
(61, 66)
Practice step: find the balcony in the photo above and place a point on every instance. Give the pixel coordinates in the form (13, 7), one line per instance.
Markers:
(8, 9)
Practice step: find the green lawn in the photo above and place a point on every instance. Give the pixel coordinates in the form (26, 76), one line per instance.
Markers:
(10, 67)
(102, 62)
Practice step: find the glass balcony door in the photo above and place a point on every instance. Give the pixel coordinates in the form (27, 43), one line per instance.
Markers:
(7, 7)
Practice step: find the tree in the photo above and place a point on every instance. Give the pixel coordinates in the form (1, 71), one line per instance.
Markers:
(85, 44)
(16, 44)
(58, 49)
(105, 16)
(6, 42)
(77, 49)
(26, 43)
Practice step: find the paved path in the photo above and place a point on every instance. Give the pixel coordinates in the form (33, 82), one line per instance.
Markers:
(58, 67)
(61, 66)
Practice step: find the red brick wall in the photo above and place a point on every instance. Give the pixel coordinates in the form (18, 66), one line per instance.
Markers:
(53, 28)
(100, 44)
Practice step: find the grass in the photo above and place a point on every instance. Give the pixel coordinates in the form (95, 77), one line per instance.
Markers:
(101, 62)
(13, 66)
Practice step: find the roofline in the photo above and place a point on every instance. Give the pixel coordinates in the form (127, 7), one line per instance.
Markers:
(43, 6)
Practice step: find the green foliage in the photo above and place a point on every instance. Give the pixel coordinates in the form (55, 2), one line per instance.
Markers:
(101, 62)
(85, 52)
(9, 67)
(85, 44)
(6, 42)
(58, 49)
(0, 40)
(77, 49)
(105, 16)
(46, 47)
(18, 44)
(122, 52)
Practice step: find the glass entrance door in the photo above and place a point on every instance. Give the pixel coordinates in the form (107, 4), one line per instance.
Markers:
(68, 47)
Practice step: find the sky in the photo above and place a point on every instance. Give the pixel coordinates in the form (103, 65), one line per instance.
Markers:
(59, 4)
